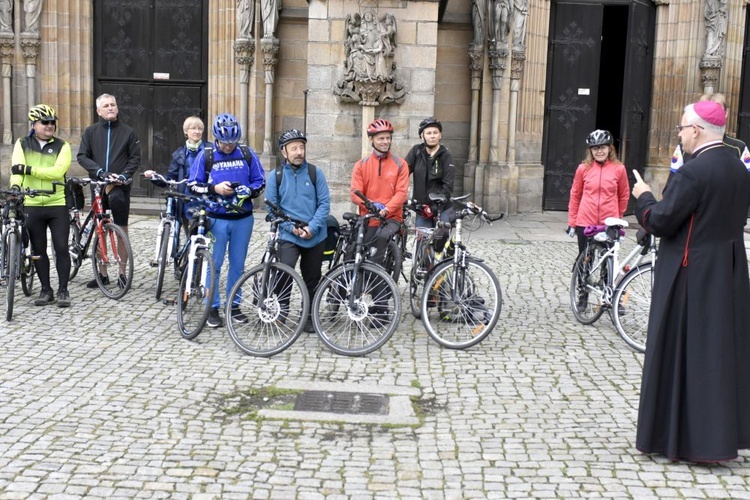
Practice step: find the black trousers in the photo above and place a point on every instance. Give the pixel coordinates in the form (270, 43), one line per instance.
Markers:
(38, 219)
(311, 262)
(378, 237)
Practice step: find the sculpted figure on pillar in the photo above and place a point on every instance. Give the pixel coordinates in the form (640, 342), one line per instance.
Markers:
(478, 11)
(520, 13)
(499, 14)
(270, 11)
(32, 10)
(715, 15)
(245, 18)
(6, 16)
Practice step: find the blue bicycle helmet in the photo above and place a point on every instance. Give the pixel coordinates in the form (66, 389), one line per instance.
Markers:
(227, 128)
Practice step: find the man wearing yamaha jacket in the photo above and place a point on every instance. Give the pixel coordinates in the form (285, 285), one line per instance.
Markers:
(232, 177)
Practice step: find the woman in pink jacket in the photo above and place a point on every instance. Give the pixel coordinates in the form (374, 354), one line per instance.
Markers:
(600, 187)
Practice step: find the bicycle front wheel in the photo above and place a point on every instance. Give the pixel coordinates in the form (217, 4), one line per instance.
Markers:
(461, 304)
(10, 266)
(28, 272)
(356, 311)
(112, 259)
(275, 309)
(74, 249)
(631, 305)
(161, 261)
(586, 288)
(194, 297)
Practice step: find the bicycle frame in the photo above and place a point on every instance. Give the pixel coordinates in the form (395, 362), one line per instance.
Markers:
(620, 268)
(197, 241)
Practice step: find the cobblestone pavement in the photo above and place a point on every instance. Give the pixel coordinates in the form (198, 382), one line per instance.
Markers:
(105, 400)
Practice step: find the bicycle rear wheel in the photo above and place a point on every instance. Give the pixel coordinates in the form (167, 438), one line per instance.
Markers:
(461, 305)
(275, 322)
(28, 272)
(74, 249)
(10, 268)
(586, 287)
(631, 305)
(194, 298)
(113, 264)
(369, 322)
(161, 261)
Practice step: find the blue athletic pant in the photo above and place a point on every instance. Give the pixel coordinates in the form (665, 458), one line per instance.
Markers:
(234, 234)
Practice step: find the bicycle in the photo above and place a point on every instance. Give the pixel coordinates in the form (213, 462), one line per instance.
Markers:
(356, 306)
(274, 297)
(394, 252)
(602, 282)
(195, 266)
(425, 258)
(16, 259)
(108, 242)
(461, 299)
(168, 232)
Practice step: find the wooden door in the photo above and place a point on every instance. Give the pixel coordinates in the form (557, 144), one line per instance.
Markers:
(572, 87)
(152, 55)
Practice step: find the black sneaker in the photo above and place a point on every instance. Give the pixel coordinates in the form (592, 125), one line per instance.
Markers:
(238, 316)
(309, 327)
(63, 298)
(46, 297)
(214, 318)
(379, 318)
(94, 284)
(122, 281)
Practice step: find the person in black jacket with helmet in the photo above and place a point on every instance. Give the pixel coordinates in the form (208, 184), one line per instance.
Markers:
(432, 167)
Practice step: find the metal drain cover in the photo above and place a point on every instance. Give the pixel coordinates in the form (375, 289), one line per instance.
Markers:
(354, 403)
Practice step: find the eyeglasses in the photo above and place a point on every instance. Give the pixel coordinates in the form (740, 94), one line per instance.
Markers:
(599, 148)
(679, 128)
(48, 122)
(227, 143)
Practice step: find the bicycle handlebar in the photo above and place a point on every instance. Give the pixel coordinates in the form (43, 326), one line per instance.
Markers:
(155, 177)
(370, 206)
(205, 200)
(31, 193)
(83, 181)
(283, 216)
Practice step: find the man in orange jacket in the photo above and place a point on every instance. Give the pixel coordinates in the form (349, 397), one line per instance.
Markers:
(384, 179)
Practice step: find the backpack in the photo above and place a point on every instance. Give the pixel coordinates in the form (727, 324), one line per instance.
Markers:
(311, 171)
(334, 231)
(208, 162)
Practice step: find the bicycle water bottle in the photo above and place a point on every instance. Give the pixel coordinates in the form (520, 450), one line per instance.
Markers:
(86, 231)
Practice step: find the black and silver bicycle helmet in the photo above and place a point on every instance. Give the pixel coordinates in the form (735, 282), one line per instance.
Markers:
(599, 138)
(290, 136)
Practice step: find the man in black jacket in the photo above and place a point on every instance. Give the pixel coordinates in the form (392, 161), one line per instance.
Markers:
(434, 172)
(110, 150)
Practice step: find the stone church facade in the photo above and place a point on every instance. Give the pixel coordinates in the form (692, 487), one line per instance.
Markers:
(517, 84)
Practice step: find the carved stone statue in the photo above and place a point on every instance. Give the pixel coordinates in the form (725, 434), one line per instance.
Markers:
(270, 12)
(32, 10)
(497, 21)
(368, 67)
(245, 18)
(478, 13)
(715, 15)
(520, 13)
(6, 16)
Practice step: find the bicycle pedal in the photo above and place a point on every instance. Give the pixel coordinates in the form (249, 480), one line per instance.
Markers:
(153, 263)
(36, 257)
(407, 255)
(169, 302)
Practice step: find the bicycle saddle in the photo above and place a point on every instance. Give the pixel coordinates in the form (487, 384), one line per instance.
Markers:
(614, 221)
(438, 198)
(349, 216)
